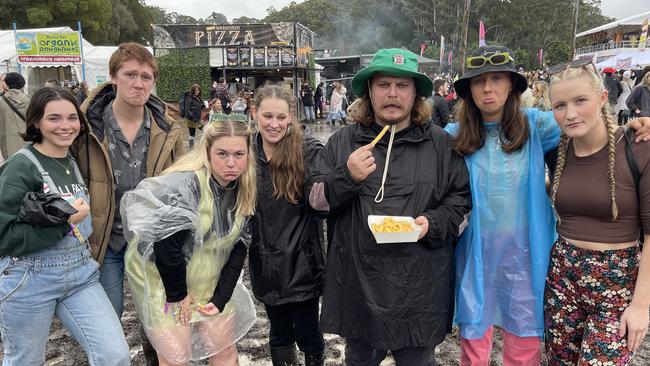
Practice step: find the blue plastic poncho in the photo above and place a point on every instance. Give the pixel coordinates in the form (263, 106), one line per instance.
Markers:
(502, 257)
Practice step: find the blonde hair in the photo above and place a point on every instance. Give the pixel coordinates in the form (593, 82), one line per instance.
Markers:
(199, 158)
(598, 87)
(288, 163)
(542, 100)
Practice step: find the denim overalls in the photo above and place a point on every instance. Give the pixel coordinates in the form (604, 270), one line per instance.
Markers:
(63, 280)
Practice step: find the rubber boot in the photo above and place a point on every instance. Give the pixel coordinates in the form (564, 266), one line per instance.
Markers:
(284, 356)
(314, 359)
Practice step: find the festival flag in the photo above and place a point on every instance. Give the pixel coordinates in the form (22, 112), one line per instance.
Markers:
(442, 49)
(540, 57)
(644, 34)
(481, 34)
(423, 46)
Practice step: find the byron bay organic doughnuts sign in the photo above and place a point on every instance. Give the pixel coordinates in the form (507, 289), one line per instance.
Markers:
(51, 48)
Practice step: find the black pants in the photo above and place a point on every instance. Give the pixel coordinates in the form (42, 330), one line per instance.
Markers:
(296, 322)
(359, 353)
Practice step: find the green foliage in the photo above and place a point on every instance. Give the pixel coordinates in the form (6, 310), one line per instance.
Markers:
(159, 15)
(360, 26)
(181, 68)
(245, 20)
(522, 58)
(557, 52)
(38, 16)
(216, 18)
(316, 15)
(311, 75)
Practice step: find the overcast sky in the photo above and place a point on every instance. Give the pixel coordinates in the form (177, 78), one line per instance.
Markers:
(257, 8)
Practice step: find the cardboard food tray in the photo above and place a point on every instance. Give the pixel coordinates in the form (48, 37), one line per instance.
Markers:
(400, 237)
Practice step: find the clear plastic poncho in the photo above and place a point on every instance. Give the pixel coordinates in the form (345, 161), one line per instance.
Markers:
(502, 257)
(157, 208)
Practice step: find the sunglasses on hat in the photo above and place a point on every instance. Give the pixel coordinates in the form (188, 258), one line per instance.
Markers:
(496, 59)
(575, 64)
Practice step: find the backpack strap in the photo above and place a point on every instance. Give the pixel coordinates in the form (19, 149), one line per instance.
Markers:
(634, 169)
(46, 176)
(13, 107)
(631, 160)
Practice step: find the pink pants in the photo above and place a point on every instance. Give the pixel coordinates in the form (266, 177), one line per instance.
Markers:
(517, 351)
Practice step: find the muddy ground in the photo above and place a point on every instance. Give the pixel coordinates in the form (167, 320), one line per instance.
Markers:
(253, 350)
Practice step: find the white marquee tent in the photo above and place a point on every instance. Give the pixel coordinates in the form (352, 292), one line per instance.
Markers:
(95, 59)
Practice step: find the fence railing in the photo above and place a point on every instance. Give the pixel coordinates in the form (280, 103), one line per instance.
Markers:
(606, 46)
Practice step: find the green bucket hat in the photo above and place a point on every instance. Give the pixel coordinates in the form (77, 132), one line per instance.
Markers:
(393, 62)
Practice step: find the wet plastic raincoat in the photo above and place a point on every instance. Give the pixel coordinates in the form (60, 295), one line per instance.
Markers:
(502, 257)
(156, 209)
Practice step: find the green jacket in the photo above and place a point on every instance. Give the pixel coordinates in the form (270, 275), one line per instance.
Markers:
(17, 177)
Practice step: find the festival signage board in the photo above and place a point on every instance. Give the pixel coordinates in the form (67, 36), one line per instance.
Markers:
(232, 56)
(259, 56)
(48, 48)
(273, 56)
(245, 56)
(222, 35)
(242, 46)
(287, 56)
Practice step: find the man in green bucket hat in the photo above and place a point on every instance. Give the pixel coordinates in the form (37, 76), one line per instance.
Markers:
(396, 296)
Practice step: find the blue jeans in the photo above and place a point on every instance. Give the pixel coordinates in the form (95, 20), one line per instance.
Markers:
(61, 280)
(111, 276)
(309, 113)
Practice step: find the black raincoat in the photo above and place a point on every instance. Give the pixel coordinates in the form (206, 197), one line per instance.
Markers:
(392, 295)
(285, 256)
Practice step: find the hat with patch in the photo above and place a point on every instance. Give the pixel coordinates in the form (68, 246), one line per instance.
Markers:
(392, 62)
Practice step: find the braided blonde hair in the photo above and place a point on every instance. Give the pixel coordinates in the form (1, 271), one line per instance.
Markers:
(599, 87)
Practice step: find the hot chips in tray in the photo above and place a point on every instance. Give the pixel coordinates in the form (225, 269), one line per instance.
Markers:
(391, 225)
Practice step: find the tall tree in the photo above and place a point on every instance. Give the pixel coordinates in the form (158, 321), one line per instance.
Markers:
(245, 20)
(216, 18)
(355, 26)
